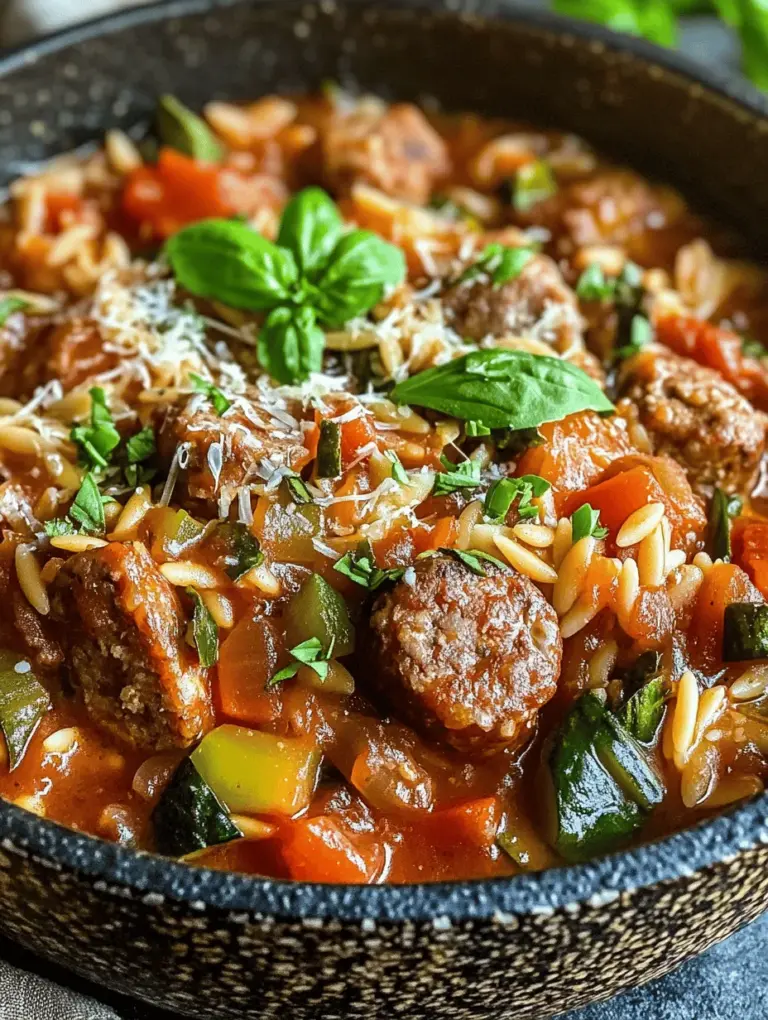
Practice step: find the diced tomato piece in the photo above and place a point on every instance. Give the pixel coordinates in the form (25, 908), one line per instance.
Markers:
(717, 348)
(634, 481)
(175, 192)
(57, 205)
(576, 452)
(356, 434)
(475, 822)
(317, 850)
(723, 583)
(311, 439)
(395, 549)
(440, 535)
(750, 550)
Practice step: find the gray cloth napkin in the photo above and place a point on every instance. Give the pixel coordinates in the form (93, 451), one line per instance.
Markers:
(28, 997)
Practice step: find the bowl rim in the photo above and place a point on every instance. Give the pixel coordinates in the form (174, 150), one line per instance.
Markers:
(152, 878)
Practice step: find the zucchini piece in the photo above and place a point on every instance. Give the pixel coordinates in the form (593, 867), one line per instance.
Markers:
(329, 450)
(184, 131)
(189, 816)
(603, 784)
(723, 509)
(258, 773)
(642, 714)
(243, 551)
(745, 632)
(624, 759)
(317, 610)
(23, 702)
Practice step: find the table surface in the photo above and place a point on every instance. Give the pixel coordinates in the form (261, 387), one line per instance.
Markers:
(726, 983)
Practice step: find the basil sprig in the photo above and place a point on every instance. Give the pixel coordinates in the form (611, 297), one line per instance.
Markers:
(204, 630)
(316, 275)
(504, 389)
(9, 305)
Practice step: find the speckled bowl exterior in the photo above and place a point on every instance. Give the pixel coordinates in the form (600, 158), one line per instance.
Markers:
(215, 945)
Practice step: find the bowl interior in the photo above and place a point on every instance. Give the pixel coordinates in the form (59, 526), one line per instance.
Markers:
(635, 102)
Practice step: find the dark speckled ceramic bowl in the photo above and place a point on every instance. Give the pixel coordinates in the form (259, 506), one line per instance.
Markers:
(216, 945)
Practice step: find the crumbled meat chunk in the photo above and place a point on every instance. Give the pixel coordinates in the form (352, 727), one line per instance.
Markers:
(538, 303)
(34, 350)
(392, 148)
(245, 444)
(123, 626)
(691, 413)
(466, 659)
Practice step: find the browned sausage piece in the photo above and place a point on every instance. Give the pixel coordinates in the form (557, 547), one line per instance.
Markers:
(538, 303)
(392, 148)
(124, 629)
(465, 659)
(691, 413)
(245, 444)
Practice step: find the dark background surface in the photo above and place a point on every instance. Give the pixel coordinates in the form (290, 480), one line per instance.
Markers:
(727, 983)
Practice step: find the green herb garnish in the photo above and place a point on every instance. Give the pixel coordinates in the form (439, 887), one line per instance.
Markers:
(505, 491)
(724, 507)
(316, 275)
(86, 513)
(453, 477)
(214, 394)
(95, 442)
(585, 522)
(500, 262)
(204, 630)
(473, 559)
(243, 549)
(361, 568)
(9, 305)
(593, 284)
(640, 335)
(23, 702)
(308, 653)
(504, 389)
(534, 182)
(399, 473)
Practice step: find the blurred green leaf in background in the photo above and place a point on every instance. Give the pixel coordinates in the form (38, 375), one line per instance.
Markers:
(657, 20)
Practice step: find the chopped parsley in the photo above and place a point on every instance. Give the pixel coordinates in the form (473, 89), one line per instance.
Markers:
(503, 493)
(95, 442)
(308, 653)
(454, 477)
(585, 522)
(214, 394)
(85, 515)
(474, 559)
(361, 568)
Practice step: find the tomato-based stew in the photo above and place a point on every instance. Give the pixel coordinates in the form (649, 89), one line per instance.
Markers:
(381, 496)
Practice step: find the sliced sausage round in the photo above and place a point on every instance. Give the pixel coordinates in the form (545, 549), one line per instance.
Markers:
(465, 659)
(691, 413)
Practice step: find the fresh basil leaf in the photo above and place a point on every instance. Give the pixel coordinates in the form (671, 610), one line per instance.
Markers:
(95, 442)
(399, 473)
(214, 394)
(723, 509)
(750, 17)
(140, 446)
(585, 522)
(474, 429)
(329, 449)
(59, 526)
(473, 559)
(88, 507)
(308, 653)
(9, 305)
(360, 269)
(593, 285)
(453, 477)
(23, 702)
(283, 674)
(534, 183)
(189, 816)
(642, 714)
(361, 568)
(227, 261)
(310, 227)
(504, 389)
(184, 131)
(204, 630)
(290, 345)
